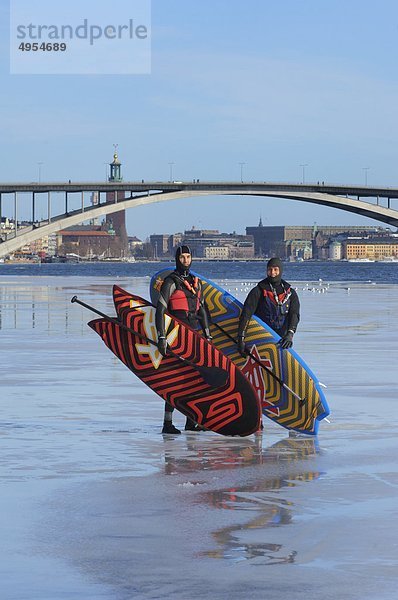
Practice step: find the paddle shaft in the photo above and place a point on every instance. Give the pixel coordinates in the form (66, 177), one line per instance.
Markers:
(282, 383)
(202, 369)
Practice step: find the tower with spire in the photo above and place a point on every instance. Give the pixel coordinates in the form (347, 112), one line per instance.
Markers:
(117, 221)
(116, 167)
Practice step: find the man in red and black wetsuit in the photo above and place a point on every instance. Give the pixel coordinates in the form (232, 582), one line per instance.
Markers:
(275, 303)
(181, 296)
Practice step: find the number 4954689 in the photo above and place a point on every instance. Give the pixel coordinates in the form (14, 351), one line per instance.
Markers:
(43, 47)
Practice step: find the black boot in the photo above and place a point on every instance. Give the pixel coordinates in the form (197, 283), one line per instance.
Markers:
(168, 427)
(191, 425)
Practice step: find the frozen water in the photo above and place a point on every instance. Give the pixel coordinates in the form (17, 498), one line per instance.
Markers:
(96, 504)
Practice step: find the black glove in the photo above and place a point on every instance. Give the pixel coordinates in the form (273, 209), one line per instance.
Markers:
(287, 340)
(241, 345)
(162, 345)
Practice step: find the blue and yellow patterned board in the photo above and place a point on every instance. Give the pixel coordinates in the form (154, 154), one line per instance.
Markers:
(301, 414)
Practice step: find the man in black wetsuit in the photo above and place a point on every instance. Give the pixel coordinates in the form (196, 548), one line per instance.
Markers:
(275, 303)
(180, 295)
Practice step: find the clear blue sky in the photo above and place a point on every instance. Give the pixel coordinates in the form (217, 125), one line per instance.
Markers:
(271, 84)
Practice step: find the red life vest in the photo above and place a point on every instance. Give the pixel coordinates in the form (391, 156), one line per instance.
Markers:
(186, 297)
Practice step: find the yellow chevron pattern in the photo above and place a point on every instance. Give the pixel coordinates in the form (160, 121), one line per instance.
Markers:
(291, 413)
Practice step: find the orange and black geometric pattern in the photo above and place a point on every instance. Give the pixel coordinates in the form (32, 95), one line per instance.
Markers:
(232, 409)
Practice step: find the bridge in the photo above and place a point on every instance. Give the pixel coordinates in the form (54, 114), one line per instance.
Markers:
(372, 202)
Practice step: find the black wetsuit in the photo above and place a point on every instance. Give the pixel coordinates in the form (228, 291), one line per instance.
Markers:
(181, 296)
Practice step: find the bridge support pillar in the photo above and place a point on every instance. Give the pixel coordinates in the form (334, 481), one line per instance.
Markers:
(16, 212)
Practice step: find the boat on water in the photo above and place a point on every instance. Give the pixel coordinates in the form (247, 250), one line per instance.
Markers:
(389, 259)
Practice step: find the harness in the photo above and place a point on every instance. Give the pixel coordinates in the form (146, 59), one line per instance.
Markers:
(275, 307)
(278, 299)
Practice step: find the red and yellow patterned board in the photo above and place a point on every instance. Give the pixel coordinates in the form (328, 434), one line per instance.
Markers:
(232, 409)
(302, 414)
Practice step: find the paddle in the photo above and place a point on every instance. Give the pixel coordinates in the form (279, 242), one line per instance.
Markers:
(213, 376)
(256, 360)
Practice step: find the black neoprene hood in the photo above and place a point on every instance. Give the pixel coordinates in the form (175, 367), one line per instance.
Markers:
(182, 250)
(275, 262)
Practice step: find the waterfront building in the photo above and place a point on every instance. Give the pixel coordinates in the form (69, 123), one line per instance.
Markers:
(371, 248)
(135, 244)
(160, 244)
(201, 240)
(175, 240)
(242, 250)
(299, 249)
(278, 240)
(204, 243)
(216, 252)
(45, 246)
(335, 250)
(88, 242)
(237, 251)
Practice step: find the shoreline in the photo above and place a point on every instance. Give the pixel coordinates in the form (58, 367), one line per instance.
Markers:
(198, 260)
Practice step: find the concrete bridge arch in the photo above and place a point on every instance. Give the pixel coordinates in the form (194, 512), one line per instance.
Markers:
(346, 198)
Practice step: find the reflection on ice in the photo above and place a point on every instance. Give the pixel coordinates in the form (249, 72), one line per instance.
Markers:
(258, 492)
(266, 552)
(200, 455)
(284, 459)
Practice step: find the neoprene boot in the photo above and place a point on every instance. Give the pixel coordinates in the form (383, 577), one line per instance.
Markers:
(168, 427)
(191, 425)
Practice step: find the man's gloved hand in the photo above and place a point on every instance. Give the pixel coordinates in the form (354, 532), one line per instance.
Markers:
(241, 345)
(162, 345)
(287, 340)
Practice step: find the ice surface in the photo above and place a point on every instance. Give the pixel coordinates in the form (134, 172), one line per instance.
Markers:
(97, 504)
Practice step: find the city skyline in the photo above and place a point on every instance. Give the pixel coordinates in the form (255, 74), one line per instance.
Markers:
(185, 230)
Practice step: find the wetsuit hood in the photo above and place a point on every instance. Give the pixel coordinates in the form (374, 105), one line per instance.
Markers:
(181, 270)
(275, 262)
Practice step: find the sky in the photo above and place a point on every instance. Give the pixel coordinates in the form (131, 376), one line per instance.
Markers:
(273, 85)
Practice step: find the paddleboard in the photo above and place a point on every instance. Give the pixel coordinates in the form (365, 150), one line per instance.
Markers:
(185, 379)
(301, 412)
